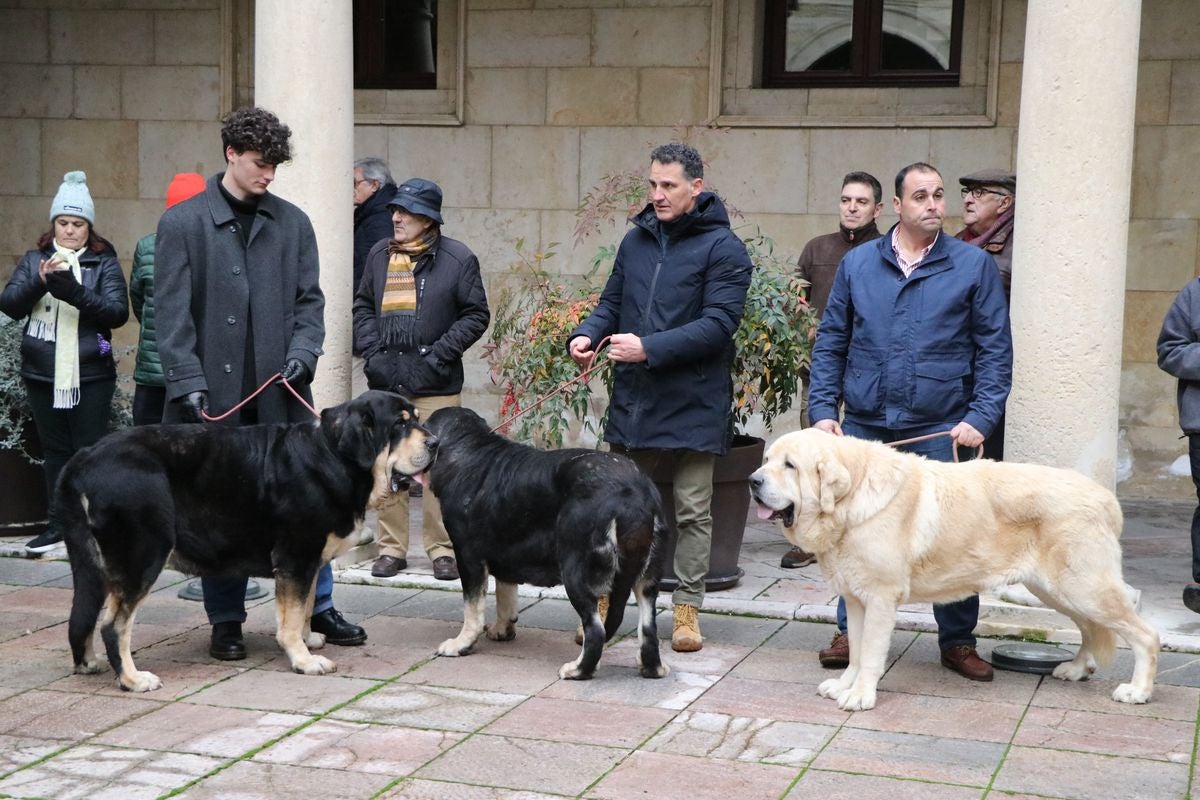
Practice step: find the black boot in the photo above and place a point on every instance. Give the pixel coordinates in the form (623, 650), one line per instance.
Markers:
(336, 629)
(226, 643)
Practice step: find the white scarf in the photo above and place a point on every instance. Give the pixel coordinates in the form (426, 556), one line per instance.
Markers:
(55, 321)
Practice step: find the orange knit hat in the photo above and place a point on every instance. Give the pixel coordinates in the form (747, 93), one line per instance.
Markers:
(183, 186)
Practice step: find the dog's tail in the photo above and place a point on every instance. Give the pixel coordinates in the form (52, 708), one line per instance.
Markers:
(1102, 641)
(69, 516)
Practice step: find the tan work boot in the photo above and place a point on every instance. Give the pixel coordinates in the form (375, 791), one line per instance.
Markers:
(685, 636)
(602, 608)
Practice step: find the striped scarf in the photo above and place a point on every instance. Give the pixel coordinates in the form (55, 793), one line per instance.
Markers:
(398, 306)
(55, 321)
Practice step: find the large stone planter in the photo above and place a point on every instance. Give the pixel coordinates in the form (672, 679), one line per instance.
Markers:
(23, 504)
(731, 503)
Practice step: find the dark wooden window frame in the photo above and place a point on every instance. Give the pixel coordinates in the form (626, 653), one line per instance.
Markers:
(866, 53)
(369, 45)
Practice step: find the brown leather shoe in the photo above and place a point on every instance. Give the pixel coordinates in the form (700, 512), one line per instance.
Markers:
(837, 655)
(444, 568)
(387, 566)
(966, 662)
(797, 557)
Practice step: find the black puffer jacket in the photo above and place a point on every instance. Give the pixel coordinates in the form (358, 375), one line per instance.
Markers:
(452, 313)
(681, 287)
(103, 302)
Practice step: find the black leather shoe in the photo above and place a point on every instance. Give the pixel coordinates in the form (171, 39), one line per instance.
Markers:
(337, 630)
(226, 643)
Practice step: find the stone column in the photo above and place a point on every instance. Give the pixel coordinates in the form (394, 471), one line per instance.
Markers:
(303, 72)
(1078, 87)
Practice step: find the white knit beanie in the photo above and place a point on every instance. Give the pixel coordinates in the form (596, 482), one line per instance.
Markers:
(74, 199)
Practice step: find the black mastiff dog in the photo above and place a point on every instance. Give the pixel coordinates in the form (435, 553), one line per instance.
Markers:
(264, 500)
(586, 519)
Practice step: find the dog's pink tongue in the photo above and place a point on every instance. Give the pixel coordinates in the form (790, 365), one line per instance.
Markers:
(764, 512)
(422, 478)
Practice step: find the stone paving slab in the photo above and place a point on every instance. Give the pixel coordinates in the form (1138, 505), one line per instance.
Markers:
(738, 719)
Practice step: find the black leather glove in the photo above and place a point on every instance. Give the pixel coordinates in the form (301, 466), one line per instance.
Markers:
(295, 373)
(62, 284)
(193, 406)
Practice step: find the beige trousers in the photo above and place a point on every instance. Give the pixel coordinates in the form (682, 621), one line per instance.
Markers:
(392, 534)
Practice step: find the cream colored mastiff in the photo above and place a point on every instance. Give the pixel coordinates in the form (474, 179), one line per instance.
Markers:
(890, 527)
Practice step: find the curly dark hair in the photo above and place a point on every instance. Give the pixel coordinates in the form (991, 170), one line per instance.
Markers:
(259, 130)
(682, 154)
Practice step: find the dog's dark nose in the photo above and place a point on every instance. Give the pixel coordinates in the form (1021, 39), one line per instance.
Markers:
(431, 442)
(756, 480)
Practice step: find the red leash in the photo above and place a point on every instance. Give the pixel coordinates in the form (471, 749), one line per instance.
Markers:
(928, 436)
(592, 366)
(256, 393)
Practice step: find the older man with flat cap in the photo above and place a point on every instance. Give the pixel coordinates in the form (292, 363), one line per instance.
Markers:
(989, 205)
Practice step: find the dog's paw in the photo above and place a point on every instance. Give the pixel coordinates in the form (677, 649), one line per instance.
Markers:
(1128, 693)
(570, 671)
(314, 665)
(140, 682)
(1073, 671)
(89, 667)
(454, 648)
(661, 671)
(857, 699)
(501, 631)
(315, 641)
(833, 688)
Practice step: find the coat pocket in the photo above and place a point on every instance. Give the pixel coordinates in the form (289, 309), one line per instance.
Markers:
(380, 369)
(939, 392)
(861, 382)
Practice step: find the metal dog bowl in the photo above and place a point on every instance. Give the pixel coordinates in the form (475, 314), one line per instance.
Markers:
(1040, 659)
(192, 590)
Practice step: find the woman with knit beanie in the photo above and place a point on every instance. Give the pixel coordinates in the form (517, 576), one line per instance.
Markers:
(72, 292)
(150, 392)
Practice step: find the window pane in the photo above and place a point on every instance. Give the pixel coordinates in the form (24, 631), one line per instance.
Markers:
(819, 35)
(916, 34)
(409, 37)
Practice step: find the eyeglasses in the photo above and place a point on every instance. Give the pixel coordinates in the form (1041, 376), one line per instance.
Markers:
(978, 192)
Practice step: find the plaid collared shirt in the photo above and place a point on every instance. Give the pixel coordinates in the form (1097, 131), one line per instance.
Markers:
(906, 265)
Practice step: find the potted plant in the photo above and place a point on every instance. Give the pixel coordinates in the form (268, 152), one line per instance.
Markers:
(24, 507)
(527, 356)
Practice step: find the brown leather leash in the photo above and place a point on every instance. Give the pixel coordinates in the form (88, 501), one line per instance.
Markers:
(928, 436)
(586, 373)
(256, 393)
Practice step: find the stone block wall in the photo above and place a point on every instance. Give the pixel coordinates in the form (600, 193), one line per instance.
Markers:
(127, 91)
(556, 95)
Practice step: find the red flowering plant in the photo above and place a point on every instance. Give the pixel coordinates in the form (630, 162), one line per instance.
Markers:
(527, 352)
(527, 349)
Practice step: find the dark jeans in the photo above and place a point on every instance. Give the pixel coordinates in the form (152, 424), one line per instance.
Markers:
(1194, 455)
(148, 403)
(225, 598)
(956, 621)
(62, 431)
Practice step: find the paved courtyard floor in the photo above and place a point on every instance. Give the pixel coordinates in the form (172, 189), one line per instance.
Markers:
(739, 719)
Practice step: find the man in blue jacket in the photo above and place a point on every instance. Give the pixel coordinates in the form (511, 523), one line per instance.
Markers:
(915, 340)
(671, 306)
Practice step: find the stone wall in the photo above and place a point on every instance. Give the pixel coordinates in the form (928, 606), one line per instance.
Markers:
(555, 95)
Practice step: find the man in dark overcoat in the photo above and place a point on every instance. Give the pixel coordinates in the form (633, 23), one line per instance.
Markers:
(238, 299)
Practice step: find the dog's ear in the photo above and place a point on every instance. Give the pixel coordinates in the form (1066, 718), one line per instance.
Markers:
(356, 439)
(834, 481)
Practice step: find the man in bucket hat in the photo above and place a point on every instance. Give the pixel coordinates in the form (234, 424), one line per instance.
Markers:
(420, 305)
